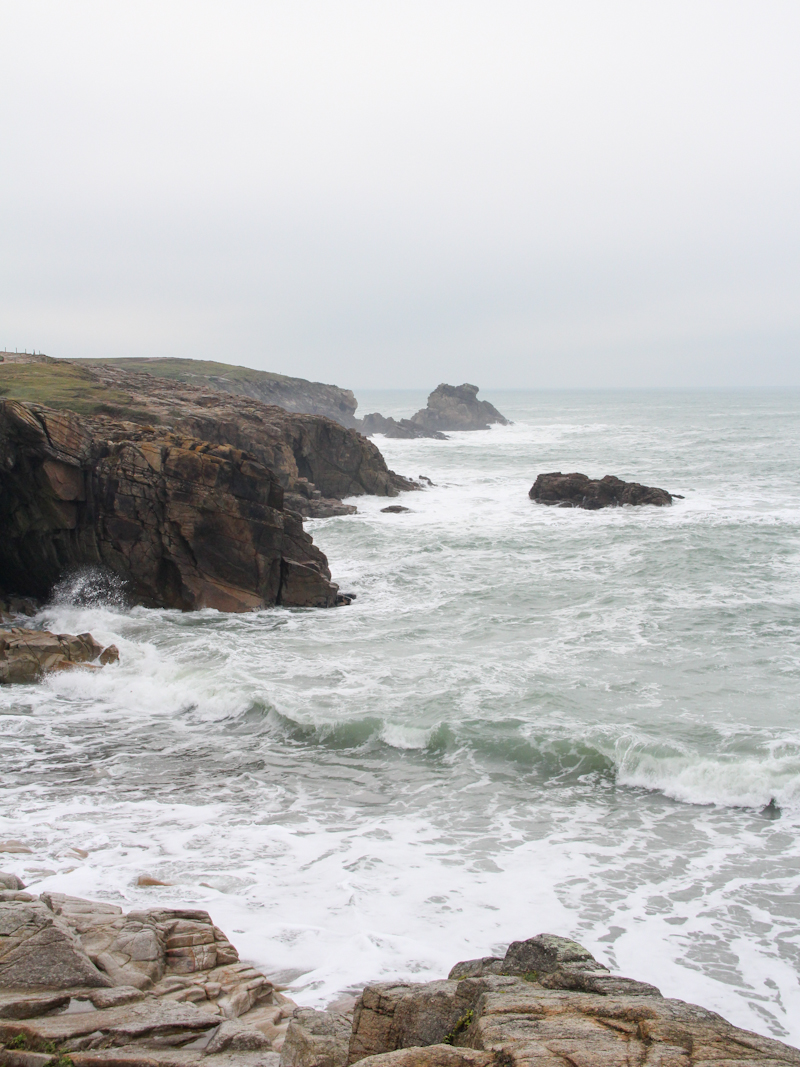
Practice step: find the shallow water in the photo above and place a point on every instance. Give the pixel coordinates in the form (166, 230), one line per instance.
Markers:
(530, 719)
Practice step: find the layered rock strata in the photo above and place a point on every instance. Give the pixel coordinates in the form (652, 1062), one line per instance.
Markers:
(26, 655)
(456, 407)
(163, 987)
(184, 521)
(580, 491)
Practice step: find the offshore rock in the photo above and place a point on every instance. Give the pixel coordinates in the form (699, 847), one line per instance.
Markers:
(25, 655)
(403, 429)
(580, 491)
(184, 522)
(456, 407)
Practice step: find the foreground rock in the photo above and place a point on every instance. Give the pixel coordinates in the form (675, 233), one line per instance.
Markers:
(158, 986)
(163, 987)
(26, 655)
(184, 522)
(456, 407)
(580, 491)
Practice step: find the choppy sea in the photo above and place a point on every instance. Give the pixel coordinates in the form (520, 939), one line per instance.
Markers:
(531, 719)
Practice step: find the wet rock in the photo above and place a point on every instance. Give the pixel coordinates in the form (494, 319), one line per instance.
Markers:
(26, 655)
(580, 491)
(394, 509)
(456, 407)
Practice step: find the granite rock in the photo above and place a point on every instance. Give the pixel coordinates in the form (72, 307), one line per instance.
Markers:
(26, 655)
(456, 407)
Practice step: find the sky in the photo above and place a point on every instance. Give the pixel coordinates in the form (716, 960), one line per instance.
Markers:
(394, 193)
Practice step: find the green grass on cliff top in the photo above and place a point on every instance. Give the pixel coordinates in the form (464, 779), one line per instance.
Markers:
(66, 386)
(185, 370)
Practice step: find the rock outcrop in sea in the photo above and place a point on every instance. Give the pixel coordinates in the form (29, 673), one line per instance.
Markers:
(450, 407)
(83, 984)
(26, 655)
(456, 407)
(580, 491)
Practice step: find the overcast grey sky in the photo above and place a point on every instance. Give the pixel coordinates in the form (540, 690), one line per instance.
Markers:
(393, 193)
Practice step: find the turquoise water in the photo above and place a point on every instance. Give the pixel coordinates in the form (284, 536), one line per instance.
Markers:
(530, 719)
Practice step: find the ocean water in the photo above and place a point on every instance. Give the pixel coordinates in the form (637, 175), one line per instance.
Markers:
(531, 719)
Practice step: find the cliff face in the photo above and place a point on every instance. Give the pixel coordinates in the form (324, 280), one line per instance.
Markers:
(187, 523)
(293, 394)
(316, 460)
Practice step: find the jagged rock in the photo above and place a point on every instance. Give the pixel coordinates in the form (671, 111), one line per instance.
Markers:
(316, 1039)
(25, 655)
(404, 429)
(580, 491)
(183, 522)
(36, 949)
(456, 407)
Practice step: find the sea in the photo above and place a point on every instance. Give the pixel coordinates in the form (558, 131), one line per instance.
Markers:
(531, 719)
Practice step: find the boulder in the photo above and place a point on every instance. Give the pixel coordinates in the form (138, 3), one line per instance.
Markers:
(580, 491)
(394, 509)
(316, 1039)
(456, 407)
(39, 950)
(26, 655)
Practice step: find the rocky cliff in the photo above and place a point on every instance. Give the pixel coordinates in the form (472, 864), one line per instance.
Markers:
(84, 984)
(183, 521)
(316, 460)
(293, 394)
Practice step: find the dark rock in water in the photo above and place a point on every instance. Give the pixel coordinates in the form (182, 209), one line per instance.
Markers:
(404, 429)
(771, 810)
(456, 407)
(184, 522)
(579, 491)
(394, 509)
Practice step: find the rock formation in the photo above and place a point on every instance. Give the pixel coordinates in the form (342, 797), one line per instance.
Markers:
(579, 491)
(456, 407)
(404, 429)
(163, 987)
(185, 522)
(292, 394)
(25, 655)
(316, 460)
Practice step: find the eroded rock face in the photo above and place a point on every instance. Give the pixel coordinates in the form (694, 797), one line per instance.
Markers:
(580, 491)
(400, 429)
(25, 655)
(186, 523)
(456, 407)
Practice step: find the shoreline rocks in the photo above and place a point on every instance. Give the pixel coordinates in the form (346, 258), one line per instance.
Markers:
(591, 494)
(26, 655)
(85, 982)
